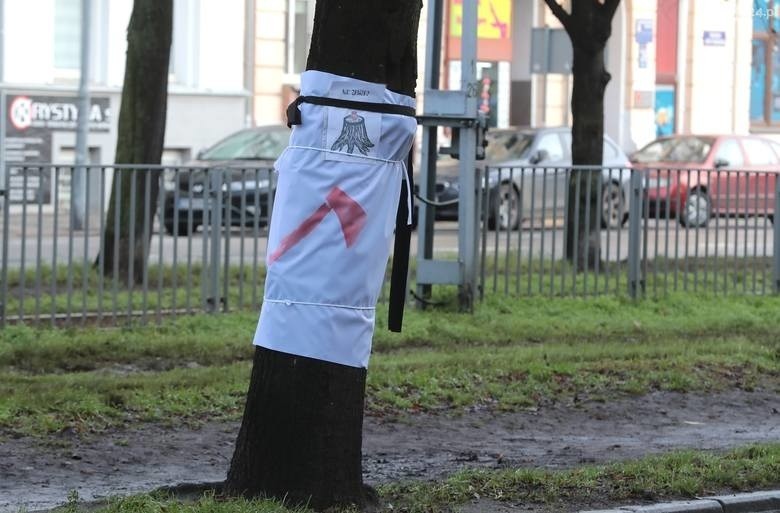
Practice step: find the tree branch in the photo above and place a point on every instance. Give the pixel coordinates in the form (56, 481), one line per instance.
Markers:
(610, 7)
(559, 13)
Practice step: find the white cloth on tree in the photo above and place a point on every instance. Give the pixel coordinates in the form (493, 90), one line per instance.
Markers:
(333, 222)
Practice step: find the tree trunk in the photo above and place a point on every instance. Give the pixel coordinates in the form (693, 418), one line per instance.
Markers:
(583, 231)
(589, 26)
(134, 194)
(301, 434)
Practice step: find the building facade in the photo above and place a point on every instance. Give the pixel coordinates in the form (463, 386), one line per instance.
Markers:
(677, 66)
(208, 93)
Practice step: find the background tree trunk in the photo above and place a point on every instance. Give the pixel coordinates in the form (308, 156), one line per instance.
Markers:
(589, 26)
(141, 135)
(301, 434)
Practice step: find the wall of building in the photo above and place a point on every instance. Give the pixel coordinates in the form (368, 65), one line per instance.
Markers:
(711, 82)
(616, 119)
(206, 101)
(270, 60)
(717, 82)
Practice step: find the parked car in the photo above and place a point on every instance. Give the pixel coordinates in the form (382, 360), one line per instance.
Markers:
(695, 177)
(540, 160)
(247, 192)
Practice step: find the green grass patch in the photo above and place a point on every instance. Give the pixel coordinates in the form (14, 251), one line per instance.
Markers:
(506, 377)
(80, 291)
(158, 503)
(510, 354)
(221, 339)
(678, 475)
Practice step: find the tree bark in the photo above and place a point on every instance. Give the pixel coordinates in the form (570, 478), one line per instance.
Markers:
(589, 26)
(140, 138)
(301, 434)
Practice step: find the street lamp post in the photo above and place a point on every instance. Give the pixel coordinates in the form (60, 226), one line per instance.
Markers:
(82, 130)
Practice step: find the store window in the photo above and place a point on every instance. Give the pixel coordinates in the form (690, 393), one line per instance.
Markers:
(765, 72)
(67, 34)
(299, 27)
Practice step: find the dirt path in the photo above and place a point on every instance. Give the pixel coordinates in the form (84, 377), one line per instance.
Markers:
(36, 475)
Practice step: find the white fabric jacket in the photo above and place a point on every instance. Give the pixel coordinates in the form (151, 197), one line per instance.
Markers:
(333, 221)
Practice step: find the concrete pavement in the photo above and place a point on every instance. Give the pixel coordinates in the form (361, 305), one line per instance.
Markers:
(764, 502)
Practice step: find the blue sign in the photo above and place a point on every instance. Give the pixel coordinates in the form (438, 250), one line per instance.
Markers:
(643, 56)
(644, 32)
(664, 110)
(714, 38)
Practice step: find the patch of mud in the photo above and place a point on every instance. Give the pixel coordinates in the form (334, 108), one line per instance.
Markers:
(38, 474)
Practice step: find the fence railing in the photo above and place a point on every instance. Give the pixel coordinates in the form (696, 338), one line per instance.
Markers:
(651, 231)
(185, 239)
(102, 242)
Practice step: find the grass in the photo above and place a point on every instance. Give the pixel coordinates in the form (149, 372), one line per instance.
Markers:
(683, 474)
(512, 353)
(677, 475)
(39, 293)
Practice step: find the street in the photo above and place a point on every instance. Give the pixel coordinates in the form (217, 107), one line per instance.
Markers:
(734, 238)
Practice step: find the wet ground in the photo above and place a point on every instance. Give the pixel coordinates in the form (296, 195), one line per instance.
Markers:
(37, 474)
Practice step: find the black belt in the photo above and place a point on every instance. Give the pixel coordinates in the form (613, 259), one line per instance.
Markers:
(294, 113)
(403, 232)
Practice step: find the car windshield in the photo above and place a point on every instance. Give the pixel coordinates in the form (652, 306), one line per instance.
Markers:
(507, 145)
(249, 145)
(676, 149)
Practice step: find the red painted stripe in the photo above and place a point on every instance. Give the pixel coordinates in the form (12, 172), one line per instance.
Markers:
(299, 233)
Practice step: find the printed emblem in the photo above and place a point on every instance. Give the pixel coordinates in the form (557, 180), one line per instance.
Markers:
(353, 135)
(351, 216)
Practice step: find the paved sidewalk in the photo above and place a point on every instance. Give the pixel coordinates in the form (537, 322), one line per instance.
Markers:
(763, 502)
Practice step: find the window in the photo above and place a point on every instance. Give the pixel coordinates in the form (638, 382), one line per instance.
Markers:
(67, 34)
(675, 149)
(765, 69)
(730, 152)
(759, 153)
(507, 145)
(609, 152)
(251, 144)
(551, 143)
(776, 147)
(299, 25)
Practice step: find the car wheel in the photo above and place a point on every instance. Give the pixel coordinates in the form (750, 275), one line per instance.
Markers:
(697, 209)
(506, 207)
(613, 206)
(180, 230)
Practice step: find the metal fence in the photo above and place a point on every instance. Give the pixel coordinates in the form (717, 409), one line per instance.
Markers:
(653, 231)
(195, 238)
(190, 239)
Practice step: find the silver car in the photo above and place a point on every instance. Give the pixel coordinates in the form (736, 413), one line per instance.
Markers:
(531, 179)
(527, 181)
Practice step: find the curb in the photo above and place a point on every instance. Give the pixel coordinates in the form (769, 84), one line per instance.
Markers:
(755, 502)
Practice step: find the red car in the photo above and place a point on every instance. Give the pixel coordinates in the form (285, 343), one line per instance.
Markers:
(695, 177)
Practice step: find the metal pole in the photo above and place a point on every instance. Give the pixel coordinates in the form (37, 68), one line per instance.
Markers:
(467, 239)
(2, 40)
(215, 225)
(427, 184)
(82, 130)
(634, 223)
(546, 72)
(776, 247)
(6, 227)
(3, 121)
(249, 60)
